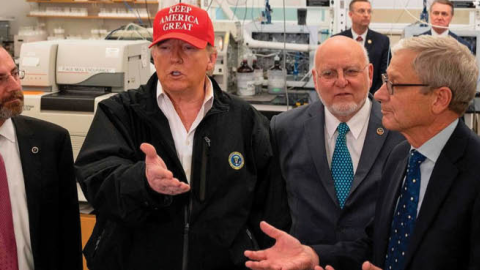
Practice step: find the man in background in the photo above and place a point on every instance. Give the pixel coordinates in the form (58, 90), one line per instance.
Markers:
(331, 152)
(441, 14)
(39, 214)
(377, 45)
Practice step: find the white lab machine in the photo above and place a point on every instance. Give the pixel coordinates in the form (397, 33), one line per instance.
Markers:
(66, 79)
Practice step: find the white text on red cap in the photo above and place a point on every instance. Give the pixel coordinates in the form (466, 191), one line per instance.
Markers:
(179, 21)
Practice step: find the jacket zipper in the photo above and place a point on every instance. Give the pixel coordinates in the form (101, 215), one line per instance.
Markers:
(186, 230)
(203, 175)
(188, 209)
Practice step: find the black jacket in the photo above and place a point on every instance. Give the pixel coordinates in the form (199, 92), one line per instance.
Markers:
(218, 219)
(51, 193)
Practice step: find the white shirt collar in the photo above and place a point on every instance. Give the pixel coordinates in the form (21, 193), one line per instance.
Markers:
(433, 147)
(7, 130)
(207, 101)
(356, 123)
(364, 35)
(435, 34)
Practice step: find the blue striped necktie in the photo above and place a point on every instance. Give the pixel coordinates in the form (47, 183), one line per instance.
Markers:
(405, 215)
(342, 166)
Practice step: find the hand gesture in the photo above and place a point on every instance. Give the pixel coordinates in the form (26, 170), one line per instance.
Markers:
(369, 266)
(159, 177)
(287, 253)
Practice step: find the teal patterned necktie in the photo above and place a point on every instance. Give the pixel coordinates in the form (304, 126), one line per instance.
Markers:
(342, 166)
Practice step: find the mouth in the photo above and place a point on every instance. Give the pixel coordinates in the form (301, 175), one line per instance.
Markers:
(175, 73)
(341, 95)
(16, 97)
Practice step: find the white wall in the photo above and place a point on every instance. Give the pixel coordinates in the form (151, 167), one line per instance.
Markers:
(17, 9)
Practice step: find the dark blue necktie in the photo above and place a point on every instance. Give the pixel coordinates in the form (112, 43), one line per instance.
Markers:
(405, 215)
(342, 166)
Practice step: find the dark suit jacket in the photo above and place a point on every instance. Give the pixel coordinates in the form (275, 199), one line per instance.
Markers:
(298, 139)
(378, 48)
(450, 33)
(47, 162)
(447, 230)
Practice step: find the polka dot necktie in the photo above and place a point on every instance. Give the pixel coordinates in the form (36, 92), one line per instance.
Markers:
(8, 246)
(405, 215)
(342, 166)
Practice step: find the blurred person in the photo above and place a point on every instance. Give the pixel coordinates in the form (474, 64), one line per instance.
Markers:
(377, 45)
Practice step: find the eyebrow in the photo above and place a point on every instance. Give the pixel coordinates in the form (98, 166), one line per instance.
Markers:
(12, 70)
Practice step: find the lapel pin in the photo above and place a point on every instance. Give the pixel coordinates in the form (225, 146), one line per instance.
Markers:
(34, 149)
(380, 131)
(369, 41)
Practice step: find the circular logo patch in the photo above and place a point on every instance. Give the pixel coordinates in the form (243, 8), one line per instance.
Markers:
(236, 160)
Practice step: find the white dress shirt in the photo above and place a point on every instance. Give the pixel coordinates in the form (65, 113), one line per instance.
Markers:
(358, 125)
(435, 34)
(18, 198)
(364, 37)
(431, 150)
(184, 138)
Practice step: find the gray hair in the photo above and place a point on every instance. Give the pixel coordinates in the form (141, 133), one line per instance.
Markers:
(444, 62)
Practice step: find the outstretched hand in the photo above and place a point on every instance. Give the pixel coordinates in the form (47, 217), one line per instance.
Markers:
(159, 178)
(287, 253)
(365, 266)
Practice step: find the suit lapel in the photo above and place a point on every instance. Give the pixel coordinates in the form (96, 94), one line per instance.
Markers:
(374, 141)
(442, 178)
(370, 41)
(315, 136)
(30, 152)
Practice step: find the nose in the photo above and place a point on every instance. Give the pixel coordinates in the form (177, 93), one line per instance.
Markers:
(382, 94)
(341, 81)
(176, 56)
(13, 84)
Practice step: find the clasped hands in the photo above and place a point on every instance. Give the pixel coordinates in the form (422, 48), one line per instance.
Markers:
(287, 254)
(159, 177)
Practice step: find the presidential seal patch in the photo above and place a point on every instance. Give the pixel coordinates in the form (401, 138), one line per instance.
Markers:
(236, 160)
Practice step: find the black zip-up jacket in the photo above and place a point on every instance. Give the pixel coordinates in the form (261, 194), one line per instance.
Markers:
(235, 183)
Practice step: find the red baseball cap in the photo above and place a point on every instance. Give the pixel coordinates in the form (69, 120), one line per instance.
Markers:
(185, 22)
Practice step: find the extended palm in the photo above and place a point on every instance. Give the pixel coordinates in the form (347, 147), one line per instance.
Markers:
(287, 253)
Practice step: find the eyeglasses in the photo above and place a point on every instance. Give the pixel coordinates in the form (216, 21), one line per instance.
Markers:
(16, 75)
(348, 73)
(390, 85)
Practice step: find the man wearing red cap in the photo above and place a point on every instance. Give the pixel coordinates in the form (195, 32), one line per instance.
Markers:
(179, 172)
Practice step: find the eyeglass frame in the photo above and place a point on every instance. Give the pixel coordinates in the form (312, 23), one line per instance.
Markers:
(320, 74)
(391, 85)
(16, 75)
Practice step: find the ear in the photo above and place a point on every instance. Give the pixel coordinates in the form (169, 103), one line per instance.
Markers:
(370, 75)
(350, 14)
(314, 74)
(212, 59)
(442, 98)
